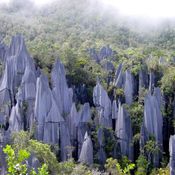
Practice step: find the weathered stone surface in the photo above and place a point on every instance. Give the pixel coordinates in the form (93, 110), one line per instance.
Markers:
(43, 104)
(82, 127)
(128, 87)
(103, 104)
(52, 124)
(29, 84)
(105, 52)
(143, 80)
(143, 137)
(17, 59)
(108, 66)
(118, 82)
(85, 113)
(16, 122)
(114, 110)
(3, 50)
(65, 144)
(80, 94)
(101, 152)
(151, 81)
(72, 122)
(62, 94)
(86, 155)
(124, 132)
(33, 163)
(172, 155)
(153, 121)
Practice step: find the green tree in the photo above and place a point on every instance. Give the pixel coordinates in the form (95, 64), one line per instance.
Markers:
(17, 162)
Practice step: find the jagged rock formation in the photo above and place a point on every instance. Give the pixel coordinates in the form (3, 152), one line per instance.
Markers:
(29, 101)
(114, 110)
(128, 87)
(62, 94)
(105, 52)
(118, 81)
(153, 122)
(86, 155)
(172, 155)
(124, 132)
(103, 104)
(101, 151)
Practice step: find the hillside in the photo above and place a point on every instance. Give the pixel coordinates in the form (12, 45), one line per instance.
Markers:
(96, 86)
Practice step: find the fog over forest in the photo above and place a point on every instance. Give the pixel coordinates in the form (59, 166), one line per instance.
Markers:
(87, 87)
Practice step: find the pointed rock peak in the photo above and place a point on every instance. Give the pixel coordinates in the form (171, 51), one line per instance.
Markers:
(86, 113)
(28, 76)
(73, 108)
(58, 68)
(86, 136)
(86, 155)
(54, 115)
(17, 45)
(43, 79)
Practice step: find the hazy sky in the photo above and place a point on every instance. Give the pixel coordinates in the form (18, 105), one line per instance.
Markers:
(150, 8)
(38, 2)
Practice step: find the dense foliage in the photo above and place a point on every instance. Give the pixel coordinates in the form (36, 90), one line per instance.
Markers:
(68, 30)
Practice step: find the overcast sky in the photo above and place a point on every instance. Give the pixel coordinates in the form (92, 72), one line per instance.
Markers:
(150, 8)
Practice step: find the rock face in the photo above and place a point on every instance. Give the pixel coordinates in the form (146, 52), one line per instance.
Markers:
(17, 59)
(172, 155)
(153, 121)
(62, 94)
(29, 100)
(43, 104)
(143, 80)
(114, 110)
(103, 104)
(118, 82)
(101, 152)
(104, 52)
(128, 87)
(124, 132)
(3, 50)
(86, 155)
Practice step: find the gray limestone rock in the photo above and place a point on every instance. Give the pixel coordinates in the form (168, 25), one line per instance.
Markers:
(73, 121)
(128, 87)
(124, 132)
(85, 113)
(52, 124)
(114, 110)
(118, 82)
(65, 144)
(17, 59)
(86, 155)
(172, 155)
(3, 51)
(151, 81)
(101, 151)
(103, 105)
(16, 121)
(62, 94)
(143, 80)
(153, 121)
(43, 104)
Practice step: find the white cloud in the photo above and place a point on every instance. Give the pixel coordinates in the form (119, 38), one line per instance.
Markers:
(150, 8)
(37, 2)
